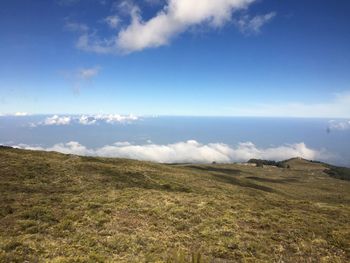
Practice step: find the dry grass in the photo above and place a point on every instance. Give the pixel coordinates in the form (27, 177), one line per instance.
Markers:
(63, 208)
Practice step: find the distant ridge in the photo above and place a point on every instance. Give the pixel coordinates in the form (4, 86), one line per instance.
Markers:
(5, 147)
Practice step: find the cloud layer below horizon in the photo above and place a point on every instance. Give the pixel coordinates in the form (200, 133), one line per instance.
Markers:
(339, 125)
(57, 120)
(189, 151)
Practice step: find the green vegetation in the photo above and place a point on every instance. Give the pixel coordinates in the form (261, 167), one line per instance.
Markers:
(65, 208)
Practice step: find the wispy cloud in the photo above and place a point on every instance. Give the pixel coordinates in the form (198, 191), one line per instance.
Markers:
(91, 43)
(112, 21)
(81, 77)
(76, 27)
(125, 7)
(176, 17)
(189, 151)
(88, 73)
(252, 25)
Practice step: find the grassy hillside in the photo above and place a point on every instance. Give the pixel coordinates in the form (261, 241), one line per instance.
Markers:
(64, 208)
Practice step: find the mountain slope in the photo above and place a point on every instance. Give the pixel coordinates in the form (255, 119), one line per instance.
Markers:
(66, 208)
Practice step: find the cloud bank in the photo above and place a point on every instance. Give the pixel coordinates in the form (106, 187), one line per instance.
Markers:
(174, 18)
(57, 120)
(189, 151)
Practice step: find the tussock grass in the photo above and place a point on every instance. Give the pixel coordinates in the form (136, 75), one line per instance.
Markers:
(64, 208)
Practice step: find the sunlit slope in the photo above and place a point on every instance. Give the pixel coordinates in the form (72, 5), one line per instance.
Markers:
(65, 208)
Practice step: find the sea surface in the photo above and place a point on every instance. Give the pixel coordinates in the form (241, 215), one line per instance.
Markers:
(176, 137)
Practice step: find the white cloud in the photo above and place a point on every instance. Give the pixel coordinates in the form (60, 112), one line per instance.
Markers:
(21, 114)
(86, 120)
(340, 125)
(338, 107)
(67, 148)
(16, 114)
(71, 148)
(57, 120)
(190, 151)
(247, 24)
(175, 17)
(115, 118)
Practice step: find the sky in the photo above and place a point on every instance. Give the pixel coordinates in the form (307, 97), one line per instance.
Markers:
(176, 57)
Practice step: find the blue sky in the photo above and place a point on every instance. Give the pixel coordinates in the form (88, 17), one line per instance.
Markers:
(177, 57)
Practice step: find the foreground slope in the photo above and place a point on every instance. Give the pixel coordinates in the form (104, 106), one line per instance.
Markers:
(65, 208)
